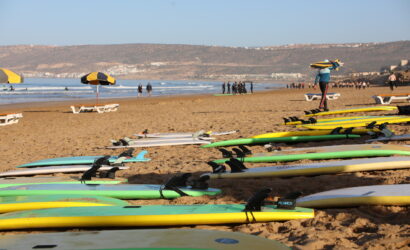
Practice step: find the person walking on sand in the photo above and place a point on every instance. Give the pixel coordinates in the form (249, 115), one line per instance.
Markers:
(149, 89)
(392, 81)
(323, 78)
(140, 89)
(251, 87)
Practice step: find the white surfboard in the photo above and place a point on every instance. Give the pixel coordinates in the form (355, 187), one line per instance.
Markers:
(330, 167)
(165, 139)
(405, 137)
(183, 135)
(54, 170)
(358, 196)
(137, 144)
(140, 239)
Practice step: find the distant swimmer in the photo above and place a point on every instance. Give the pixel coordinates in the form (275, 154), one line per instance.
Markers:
(66, 88)
(323, 78)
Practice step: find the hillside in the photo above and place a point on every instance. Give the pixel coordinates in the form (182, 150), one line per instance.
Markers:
(160, 61)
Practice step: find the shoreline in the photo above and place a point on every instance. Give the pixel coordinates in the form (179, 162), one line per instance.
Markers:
(78, 101)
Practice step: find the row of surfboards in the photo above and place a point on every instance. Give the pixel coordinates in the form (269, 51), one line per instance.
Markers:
(61, 202)
(383, 156)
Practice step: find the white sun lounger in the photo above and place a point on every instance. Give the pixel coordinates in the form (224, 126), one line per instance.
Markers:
(387, 99)
(100, 108)
(7, 119)
(330, 96)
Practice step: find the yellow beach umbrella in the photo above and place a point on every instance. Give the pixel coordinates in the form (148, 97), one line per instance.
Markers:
(98, 78)
(8, 76)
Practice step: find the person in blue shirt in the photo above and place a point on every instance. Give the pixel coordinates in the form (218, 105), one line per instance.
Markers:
(323, 78)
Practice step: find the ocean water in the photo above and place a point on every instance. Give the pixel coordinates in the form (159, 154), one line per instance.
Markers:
(58, 89)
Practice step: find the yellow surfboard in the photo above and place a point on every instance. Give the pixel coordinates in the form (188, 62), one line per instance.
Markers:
(145, 216)
(356, 124)
(328, 119)
(313, 132)
(353, 110)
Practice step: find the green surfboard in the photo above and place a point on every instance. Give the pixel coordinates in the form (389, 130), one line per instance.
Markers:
(143, 216)
(81, 160)
(120, 191)
(249, 141)
(344, 151)
(172, 239)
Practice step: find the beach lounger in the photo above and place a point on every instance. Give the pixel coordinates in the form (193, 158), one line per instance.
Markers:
(7, 119)
(100, 108)
(330, 96)
(387, 99)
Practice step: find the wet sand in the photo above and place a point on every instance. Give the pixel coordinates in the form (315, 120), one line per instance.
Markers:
(50, 130)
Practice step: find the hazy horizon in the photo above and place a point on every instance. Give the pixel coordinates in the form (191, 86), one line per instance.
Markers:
(226, 23)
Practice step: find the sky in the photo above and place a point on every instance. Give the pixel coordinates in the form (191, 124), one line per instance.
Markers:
(240, 23)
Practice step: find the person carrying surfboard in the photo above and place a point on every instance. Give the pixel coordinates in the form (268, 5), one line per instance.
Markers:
(323, 78)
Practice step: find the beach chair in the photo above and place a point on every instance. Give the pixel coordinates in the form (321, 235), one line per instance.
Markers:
(388, 98)
(330, 96)
(7, 119)
(99, 108)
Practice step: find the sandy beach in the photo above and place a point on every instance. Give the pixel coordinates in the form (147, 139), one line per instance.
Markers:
(50, 130)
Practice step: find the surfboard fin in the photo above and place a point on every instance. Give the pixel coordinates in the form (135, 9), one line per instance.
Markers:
(239, 153)
(371, 125)
(115, 143)
(256, 201)
(174, 183)
(123, 142)
(216, 168)
(312, 120)
(349, 130)
(110, 174)
(127, 153)
(225, 153)
(92, 172)
(288, 201)
(201, 183)
(236, 165)
(245, 150)
(336, 131)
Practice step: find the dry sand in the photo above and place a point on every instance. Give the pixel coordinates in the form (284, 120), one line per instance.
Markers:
(50, 130)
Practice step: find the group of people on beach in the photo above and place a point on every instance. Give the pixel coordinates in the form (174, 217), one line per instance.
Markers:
(357, 84)
(236, 88)
(148, 88)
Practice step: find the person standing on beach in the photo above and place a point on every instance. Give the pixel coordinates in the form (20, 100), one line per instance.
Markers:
(323, 78)
(140, 89)
(392, 81)
(149, 89)
(251, 87)
(223, 87)
(229, 88)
